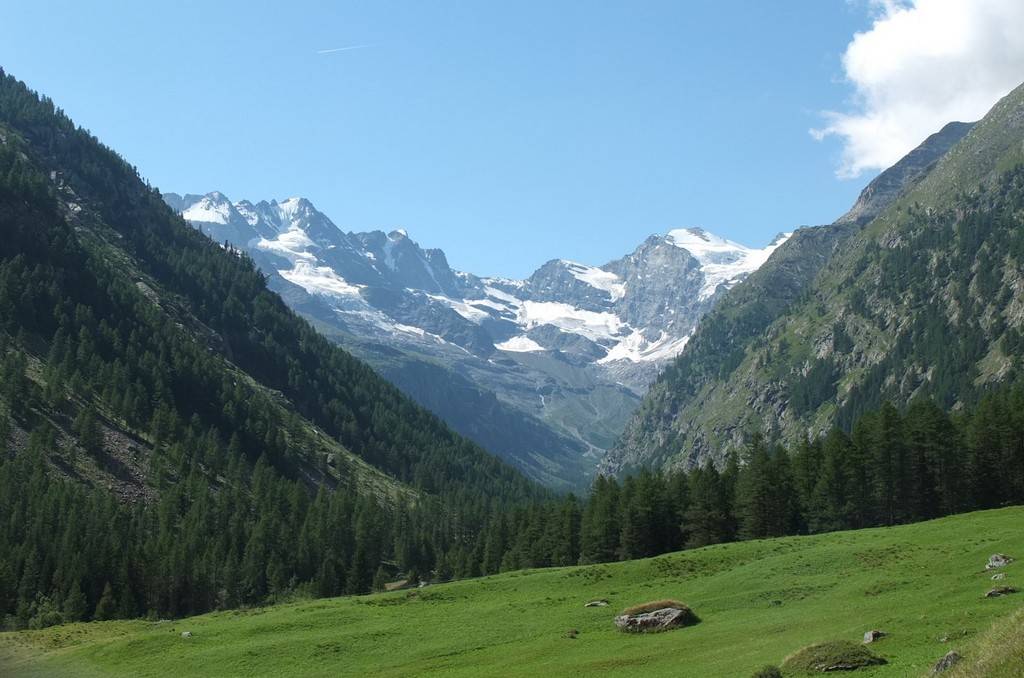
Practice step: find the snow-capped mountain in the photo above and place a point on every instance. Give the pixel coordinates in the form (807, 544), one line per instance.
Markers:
(552, 365)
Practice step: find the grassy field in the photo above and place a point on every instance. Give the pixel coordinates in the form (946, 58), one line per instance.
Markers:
(758, 601)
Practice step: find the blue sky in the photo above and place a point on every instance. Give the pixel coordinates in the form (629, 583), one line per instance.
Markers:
(504, 133)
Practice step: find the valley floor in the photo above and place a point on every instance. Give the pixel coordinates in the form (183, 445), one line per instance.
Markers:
(759, 601)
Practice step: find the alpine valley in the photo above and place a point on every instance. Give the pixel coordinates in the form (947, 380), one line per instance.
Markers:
(544, 372)
(238, 440)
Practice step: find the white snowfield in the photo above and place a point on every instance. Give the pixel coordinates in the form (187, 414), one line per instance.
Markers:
(722, 262)
(211, 209)
(635, 348)
(597, 278)
(520, 344)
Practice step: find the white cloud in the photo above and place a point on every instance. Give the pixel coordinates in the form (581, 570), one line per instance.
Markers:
(924, 63)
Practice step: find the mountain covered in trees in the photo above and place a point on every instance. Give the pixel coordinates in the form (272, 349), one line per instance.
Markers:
(172, 437)
(916, 292)
(543, 372)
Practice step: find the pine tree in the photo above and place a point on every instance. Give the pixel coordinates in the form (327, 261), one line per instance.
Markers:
(890, 468)
(754, 491)
(829, 503)
(87, 428)
(74, 607)
(380, 578)
(599, 530)
(567, 544)
(707, 520)
(106, 608)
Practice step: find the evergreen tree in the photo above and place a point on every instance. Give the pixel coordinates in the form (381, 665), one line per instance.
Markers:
(74, 607)
(599, 530)
(755, 491)
(87, 428)
(106, 608)
(707, 520)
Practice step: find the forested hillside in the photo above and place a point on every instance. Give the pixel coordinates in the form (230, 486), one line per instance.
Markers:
(173, 437)
(922, 300)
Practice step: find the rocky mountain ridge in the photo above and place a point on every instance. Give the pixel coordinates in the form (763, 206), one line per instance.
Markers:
(562, 356)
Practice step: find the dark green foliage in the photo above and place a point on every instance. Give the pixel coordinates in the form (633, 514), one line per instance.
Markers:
(813, 388)
(106, 607)
(87, 429)
(768, 671)
(116, 315)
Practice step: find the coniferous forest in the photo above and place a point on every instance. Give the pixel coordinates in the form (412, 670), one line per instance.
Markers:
(73, 553)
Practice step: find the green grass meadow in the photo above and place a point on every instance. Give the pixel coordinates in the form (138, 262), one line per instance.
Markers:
(758, 601)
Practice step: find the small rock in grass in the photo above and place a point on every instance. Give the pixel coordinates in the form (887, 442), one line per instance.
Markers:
(572, 633)
(998, 575)
(946, 663)
(597, 603)
(1000, 591)
(998, 560)
(873, 635)
(186, 634)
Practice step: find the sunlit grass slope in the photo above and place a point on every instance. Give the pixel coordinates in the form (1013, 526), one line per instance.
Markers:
(758, 601)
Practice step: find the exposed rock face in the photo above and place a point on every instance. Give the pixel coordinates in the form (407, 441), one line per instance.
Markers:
(888, 185)
(997, 560)
(946, 663)
(665, 619)
(999, 576)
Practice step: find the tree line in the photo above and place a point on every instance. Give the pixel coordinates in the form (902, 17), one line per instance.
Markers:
(68, 552)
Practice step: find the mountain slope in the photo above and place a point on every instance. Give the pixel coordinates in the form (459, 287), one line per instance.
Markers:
(919, 301)
(543, 371)
(171, 434)
(95, 264)
(758, 600)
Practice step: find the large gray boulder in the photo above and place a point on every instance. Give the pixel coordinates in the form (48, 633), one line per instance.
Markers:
(665, 619)
(998, 560)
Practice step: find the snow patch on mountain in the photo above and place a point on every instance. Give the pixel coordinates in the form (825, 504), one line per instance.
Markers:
(466, 310)
(597, 278)
(319, 280)
(520, 344)
(212, 208)
(598, 327)
(723, 262)
(637, 349)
